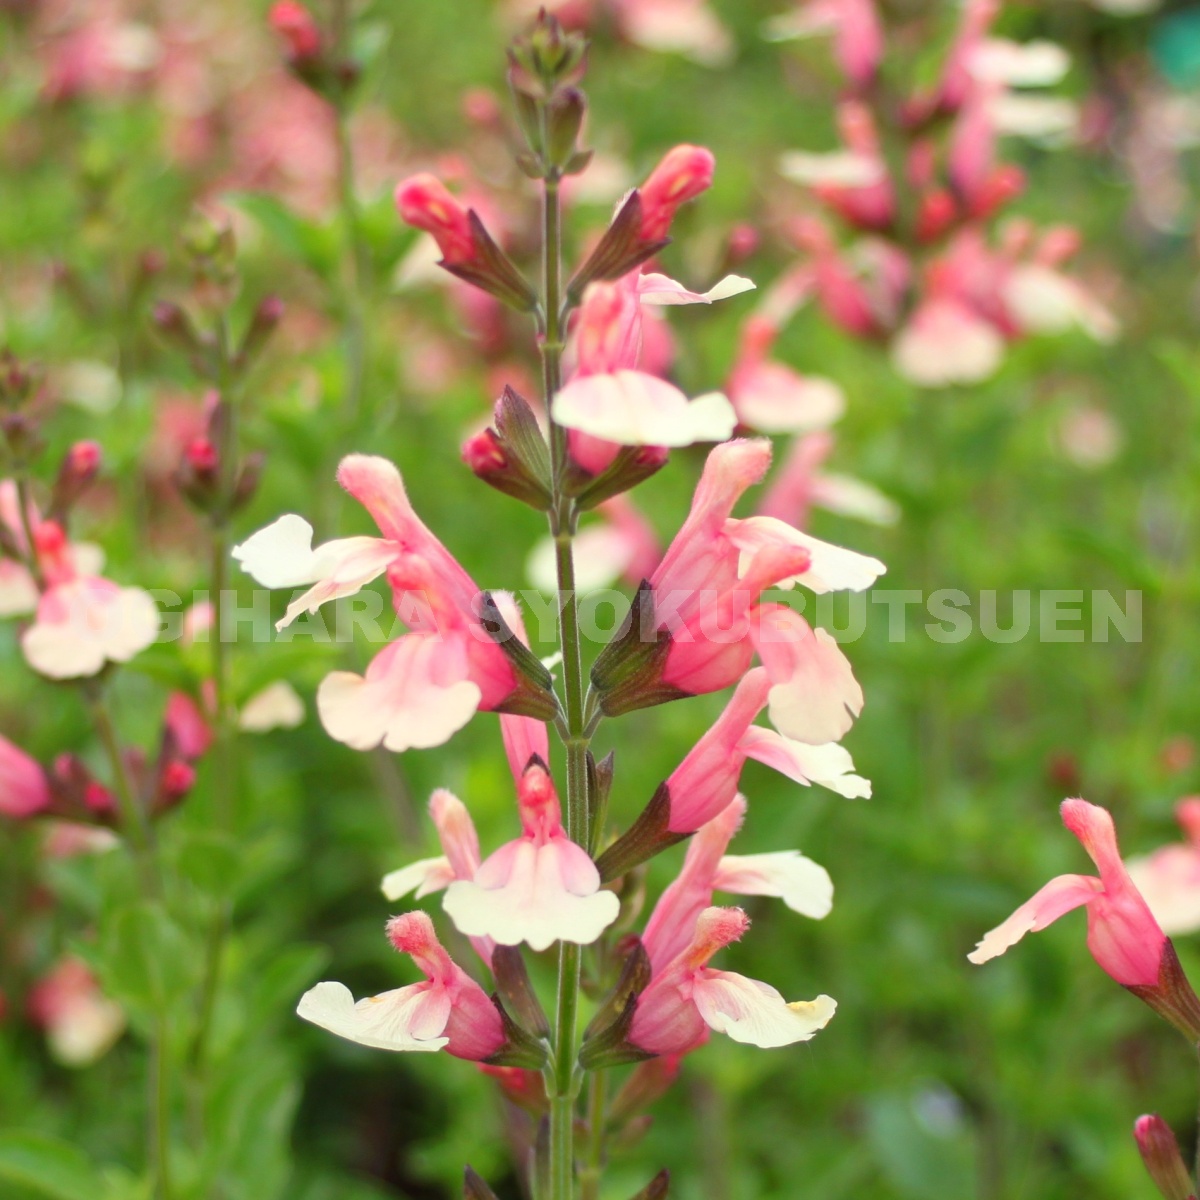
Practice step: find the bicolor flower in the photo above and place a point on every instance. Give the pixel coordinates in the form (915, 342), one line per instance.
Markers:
(448, 1010)
(707, 585)
(83, 621)
(540, 888)
(687, 998)
(24, 789)
(801, 485)
(459, 859)
(426, 685)
(610, 397)
(706, 782)
(81, 1023)
(1123, 935)
(803, 885)
(1169, 878)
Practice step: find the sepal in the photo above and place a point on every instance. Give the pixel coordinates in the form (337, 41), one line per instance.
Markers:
(621, 248)
(1173, 997)
(599, 785)
(512, 981)
(491, 270)
(656, 1189)
(521, 1048)
(512, 455)
(533, 695)
(474, 1187)
(647, 836)
(631, 466)
(628, 673)
(606, 1039)
(1160, 1154)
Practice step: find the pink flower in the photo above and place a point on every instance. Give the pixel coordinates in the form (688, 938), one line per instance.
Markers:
(425, 686)
(803, 886)
(295, 24)
(773, 398)
(459, 859)
(187, 726)
(424, 203)
(707, 584)
(24, 789)
(1169, 878)
(81, 1024)
(800, 485)
(687, 998)
(682, 175)
(448, 1010)
(706, 782)
(1123, 936)
(540, 888)
(609, 399)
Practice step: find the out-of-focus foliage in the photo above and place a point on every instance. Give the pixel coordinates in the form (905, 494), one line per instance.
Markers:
(936, 1079)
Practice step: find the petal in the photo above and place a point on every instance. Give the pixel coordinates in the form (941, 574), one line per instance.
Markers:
(829, 765)
(1019, 64)
(755, 1013)
(409, 1018)
(280, 555)
(838, 168)
(18, 592)
(425, 876)
(544, 897)
(851, 497)
(803, 885)
(277, 706)
(636, 409)
(1169, 881)
(654, 288)
(406, 700)
(946, 343)
(131, 624)
(832, 569)
(342, 568)
(773, 398)
(1057, 898)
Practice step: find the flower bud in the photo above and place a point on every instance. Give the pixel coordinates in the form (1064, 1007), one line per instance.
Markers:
(80, 465)
(24, 790)
(683, 174)
(176, 779)
(21, 434)
(198, 475)
(266, 317)
(424, 202)
(512, 456)
(546, 58)
(16, 381)
(295, 24)
(1160, 1153)
(564, 119)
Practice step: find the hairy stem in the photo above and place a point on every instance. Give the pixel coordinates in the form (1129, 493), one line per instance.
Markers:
(597, 1116)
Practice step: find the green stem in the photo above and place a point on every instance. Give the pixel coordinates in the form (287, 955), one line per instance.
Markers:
(589, 1176)
(160, 1110)
(564, 1082)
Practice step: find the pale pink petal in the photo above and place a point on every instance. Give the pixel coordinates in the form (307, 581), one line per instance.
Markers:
(1018, 64)
(687, 27)
(1169, 881)
(341, 568)
(408, 1018)
(815, 697)
(280, 555)
(838, 168)
(408, 698)
(654, 288)
(750, 1011)
(425, 876)
(945, 343)
(18, 592)
(773, 398)
(803, 885)
(1057, 898)
(533, 894)
(1043, 300)
(277, 706)
(829, 765)
(851, 497)
(832, 568)
(636, 409)
(1045, 118)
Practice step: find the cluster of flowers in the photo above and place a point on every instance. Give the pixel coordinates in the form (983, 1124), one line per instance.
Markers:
(1130, 906)
(918, 181)
(697, 624)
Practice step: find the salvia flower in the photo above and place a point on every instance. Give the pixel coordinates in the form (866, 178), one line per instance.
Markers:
(1169, 878)
(448, 1010)
(24, 789)
(80, 1022)
(539, 888)
(426, 685)
(687, 998)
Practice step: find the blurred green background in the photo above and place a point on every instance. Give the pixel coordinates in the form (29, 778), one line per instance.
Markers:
(936, 1079)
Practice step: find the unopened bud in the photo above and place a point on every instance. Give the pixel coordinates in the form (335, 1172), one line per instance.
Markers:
(683, 174)
(248, 480)
(294, 23)
(512, 457)
(1005, 184)
(198, 475)
(744, 240)
(938, 211)
(564, 119)
(80, 465)
(631, 466)
(266, 317)
(424, 203)
(1164, 1163)
(174, 782)
(21, 434)
(547, 58)
(16, 381)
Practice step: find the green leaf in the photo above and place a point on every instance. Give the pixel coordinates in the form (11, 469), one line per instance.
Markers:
(49, 1167)
(146, 958)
